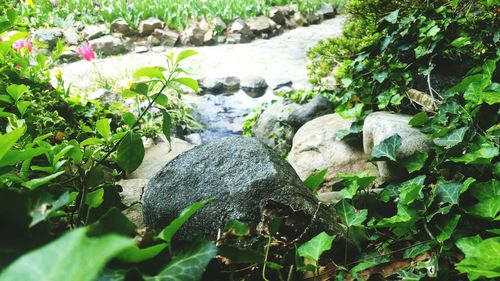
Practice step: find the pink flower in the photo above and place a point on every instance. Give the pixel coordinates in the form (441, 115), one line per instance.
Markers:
(86, 52)
(21, 44)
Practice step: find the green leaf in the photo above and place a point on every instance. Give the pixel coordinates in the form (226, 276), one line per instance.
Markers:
(189, 265)
(404, 215)
(237, 228)
(73, 255)
(184, 55)
(453, 138)
(46, 207)
(448, 192)
(103, 128)
(130, 152)
(349, 215)
(380, 76)
(95, 198)
(460, 42)
(166, 125)
(239, 255)
(415, 162)
(17, 91)
(387, 149)
(482, 257)
(8, 140)
(480, 155)
(129, 119)
(314, 181)
(35, 183)
(134, 254)
(16, 156)
(448, 228)
(22, 106)
(392, 17)
(353, 112)
(314, 248)
(152, 72)
(416, 250)
(410, 192)
(354, 182)
(168, 232)
(419, 119)
(433, 31)
(188, 82)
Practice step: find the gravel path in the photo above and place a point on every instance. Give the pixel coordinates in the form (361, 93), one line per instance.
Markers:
(281, 56)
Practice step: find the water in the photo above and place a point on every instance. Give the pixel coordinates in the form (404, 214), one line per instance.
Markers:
(223, 115)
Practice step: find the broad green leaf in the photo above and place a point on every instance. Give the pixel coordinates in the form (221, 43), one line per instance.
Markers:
(453, 138)
(22, 106)
(91, 141)
(35, 183)
(168, 232)
(314, 181)
(237, 228)
(16, 156)
(240, 255)
(184, 55)
(415, 162)
(152, 72)
(488, 208)
(404, 215)
(314, 248)
(188, 82)
(349, 215)
(353, 112)
(129, 119)
(410, 192)
(17, 91)
(482, 257)
(392, 17)
(387, 149)
(486, 190)
(189, 265)
(448, 192)
(482, 155)
(95, 198)
(73, 255)
(448, 228)
(380, 76)
(369, 263)
(416, 250)
(354, 182)
(130, 152)
(8, 140)
(419, 119)
(433, 31)
(103, 128)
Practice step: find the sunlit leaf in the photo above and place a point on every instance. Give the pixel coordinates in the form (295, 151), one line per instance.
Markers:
(314, 248)
(387, 149)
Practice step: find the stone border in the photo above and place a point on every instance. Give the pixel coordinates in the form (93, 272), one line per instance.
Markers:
(153, 35)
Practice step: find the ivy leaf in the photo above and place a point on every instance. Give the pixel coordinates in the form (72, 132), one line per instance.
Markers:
(482, 257)
(488, 195)
(416, 250)
(448, 228)
(404, 215)
(453, 138)
(414, 162)
(392, 17)
(314, 248)
(349, 215)
(168, 232)
(380, 76)
(448, 192)
(410, 192)
(460, 42)
(482, 155)
(419, 119)
(189, 265)
(387, 149)
(314, 181)
(130, 152)
(354, 182)
(72, 255)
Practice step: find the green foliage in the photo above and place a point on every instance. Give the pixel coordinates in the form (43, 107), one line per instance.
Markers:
(176, 14)
(314, 181)
(482, 257)
(314, 248)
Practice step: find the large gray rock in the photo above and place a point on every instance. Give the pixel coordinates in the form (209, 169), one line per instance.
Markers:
(318, 106)
(247, 181)
(316, 147)
(47, 38)
(195, 36)
(327, 11)
(211, 85)
(94, 31)
(381, 125)
(240, 32)
(166, 37)
(276, 14)
(146, 27)
(108, 45)
(271, 119)
(300, 19)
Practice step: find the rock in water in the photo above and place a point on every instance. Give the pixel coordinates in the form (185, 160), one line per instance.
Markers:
(248, 182)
